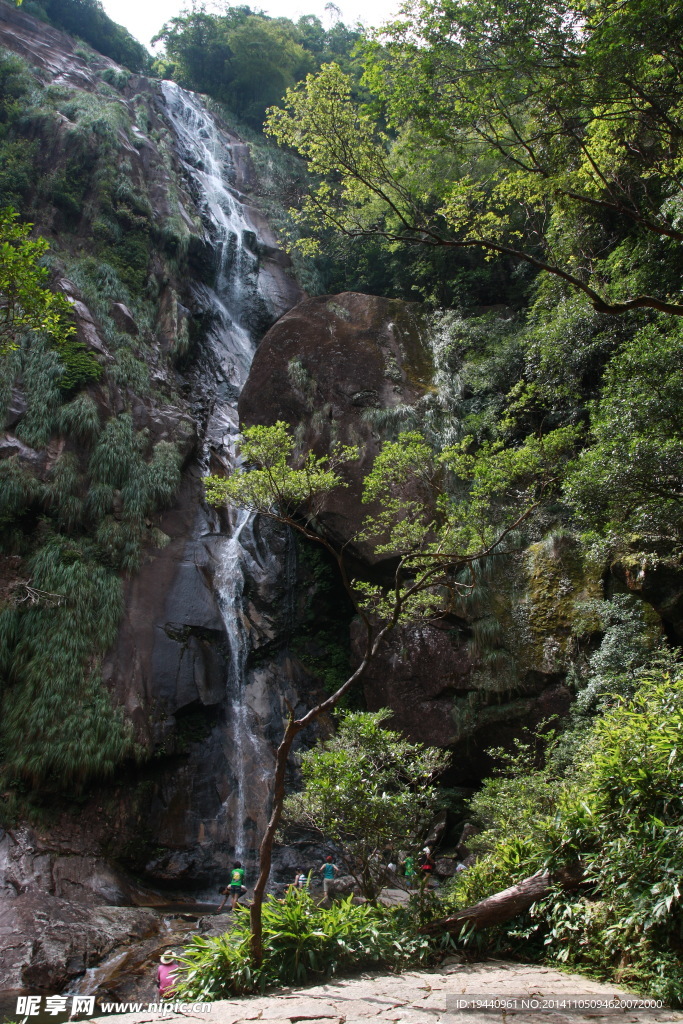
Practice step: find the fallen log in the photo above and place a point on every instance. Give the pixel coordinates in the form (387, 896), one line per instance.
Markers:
(505, 905)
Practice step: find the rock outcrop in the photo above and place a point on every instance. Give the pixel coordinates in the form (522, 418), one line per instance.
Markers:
(335, 368)
(61, 911)
(354, 368)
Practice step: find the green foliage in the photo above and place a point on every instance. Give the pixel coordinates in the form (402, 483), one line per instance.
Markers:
(26, 304)
(432, 530)
(126, 488)
(615, 806)
(528, 130)
(245, 59)
(80, 418)
(59, 727)
(630, 642)
(302, 942)
(87, 19)
(17, 153)
(19, 488)
(42, 374)
(628, 480)
(367, 789)
(272, 486)
(80, 365)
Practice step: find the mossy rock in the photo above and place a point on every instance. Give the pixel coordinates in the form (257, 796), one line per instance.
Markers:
(560, 581)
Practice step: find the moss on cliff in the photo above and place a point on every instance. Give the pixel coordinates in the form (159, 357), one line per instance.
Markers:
(560, 580)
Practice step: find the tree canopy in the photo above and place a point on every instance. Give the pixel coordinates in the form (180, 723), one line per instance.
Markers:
(546, 132)
(367, 789)
(246, 59)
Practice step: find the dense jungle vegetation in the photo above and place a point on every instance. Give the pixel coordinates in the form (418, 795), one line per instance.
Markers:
(516, 167)
(528, 157)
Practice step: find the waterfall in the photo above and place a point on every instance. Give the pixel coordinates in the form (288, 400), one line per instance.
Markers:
(204, 149)
(229, 582)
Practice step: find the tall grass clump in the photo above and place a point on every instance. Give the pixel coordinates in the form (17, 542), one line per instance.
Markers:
(18, 489)
(62, 492)
(59, 725)
(302, 941)
(80, 419)
(127, 488)
(42, 372)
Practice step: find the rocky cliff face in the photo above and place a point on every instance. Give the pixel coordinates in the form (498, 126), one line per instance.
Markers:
(356, 368)
(335, 368)
(173, 275)
(192, 632)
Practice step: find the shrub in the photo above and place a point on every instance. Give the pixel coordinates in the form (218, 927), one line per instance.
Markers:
(301, 941)
(80, 365)
(618, 810)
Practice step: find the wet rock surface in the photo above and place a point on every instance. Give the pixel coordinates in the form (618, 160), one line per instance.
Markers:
(58, 912)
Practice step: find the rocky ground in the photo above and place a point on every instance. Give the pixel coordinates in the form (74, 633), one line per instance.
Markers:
(431, 997)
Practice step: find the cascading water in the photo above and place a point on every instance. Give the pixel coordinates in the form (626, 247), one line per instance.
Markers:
(205, 151)
(206, 154)
(230, 585)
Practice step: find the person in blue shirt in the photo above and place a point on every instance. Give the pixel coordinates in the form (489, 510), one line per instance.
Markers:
(328, 870)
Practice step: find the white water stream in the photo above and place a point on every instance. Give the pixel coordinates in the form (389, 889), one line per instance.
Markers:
(205, 152)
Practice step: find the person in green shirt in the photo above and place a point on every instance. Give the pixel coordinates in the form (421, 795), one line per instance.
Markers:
(409, 871)
(234, 890)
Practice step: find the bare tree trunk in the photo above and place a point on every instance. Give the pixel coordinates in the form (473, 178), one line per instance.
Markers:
(505, 905)
(266, 847)
(294, 727)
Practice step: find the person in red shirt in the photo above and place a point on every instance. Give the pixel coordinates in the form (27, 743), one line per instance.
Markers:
(166, 972)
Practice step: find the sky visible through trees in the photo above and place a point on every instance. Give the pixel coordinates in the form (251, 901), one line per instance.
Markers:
(145, 20)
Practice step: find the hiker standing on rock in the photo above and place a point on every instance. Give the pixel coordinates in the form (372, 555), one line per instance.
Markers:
(234, 890)
(328, 870)
(409, 871)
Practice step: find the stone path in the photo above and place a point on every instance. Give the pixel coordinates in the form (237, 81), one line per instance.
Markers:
(446, 995)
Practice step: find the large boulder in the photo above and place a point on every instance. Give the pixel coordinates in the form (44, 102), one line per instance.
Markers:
(56, 912)
(336, 368)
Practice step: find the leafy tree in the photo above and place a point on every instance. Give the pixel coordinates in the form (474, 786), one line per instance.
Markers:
(25, 303)
(547, 132)
(367, 789)
(431, 535)
(630, 478)
(246, 59)
(88, 20)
